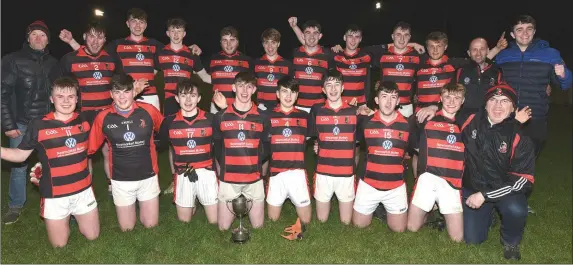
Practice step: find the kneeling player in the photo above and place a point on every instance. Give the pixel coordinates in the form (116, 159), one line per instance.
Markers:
(386, 136)
(61, 139)
(128, 128)
(190, 133)
(288, 137)
(440, 165)
(241, 139)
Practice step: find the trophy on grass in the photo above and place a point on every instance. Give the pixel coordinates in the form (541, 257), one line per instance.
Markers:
(240, 234)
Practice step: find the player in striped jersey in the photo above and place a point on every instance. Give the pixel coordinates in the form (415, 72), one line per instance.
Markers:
(190, 131)
(288, 144)
(61, 139)
(385, 135)
(440, 165)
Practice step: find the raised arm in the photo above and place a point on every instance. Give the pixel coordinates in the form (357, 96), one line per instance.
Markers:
(66, 36)
(292, 21)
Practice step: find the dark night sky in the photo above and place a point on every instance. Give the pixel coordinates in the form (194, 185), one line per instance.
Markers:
(465, 20)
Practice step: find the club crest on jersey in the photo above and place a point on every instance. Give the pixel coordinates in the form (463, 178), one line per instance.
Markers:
(129, 136)
(71, 143)
(346, 119)
(185, 61)
(191, 144)
(97, 75)
(399, 67)
(387, 144)
(400, 135)
(491, 81)
(270, 77)
(107, 66)
(287, 132)
(142, 123)
(241, 136)
(451, 139)
(503, 148)
(433, 79)
(474, 134)
(466, 80)
(203, 132)
(140, 57)
(81, 128)
(308, 70)
(176, 68)
(297, 122)
(352, 66)
(253, 127)
(228, 68)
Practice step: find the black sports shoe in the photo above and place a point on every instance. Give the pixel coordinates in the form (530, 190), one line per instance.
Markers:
(11, 216)
(380, 213)
(511, 252)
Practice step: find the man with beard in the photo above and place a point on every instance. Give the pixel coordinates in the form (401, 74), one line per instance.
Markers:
(25, 96)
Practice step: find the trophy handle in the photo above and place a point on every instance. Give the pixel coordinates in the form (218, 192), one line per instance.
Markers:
(230, 209)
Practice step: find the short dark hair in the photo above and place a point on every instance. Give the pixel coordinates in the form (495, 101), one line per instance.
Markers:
(333, 75)
(353, 28)
(453, 87)
(524, 19)
(65, 82)
(246, 77)
(176, 23)
(387, 87)
(402, 25)
(288, 82)
(311, 24)
(271, 34)
(186, 86)
(230, 30)
(122, 82)
(437, 36)
(95, 27)
(137, 13)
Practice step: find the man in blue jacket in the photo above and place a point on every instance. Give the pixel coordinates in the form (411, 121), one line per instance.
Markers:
(529, 66)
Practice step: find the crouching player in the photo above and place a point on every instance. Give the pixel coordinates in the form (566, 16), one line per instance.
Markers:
(386, 137)
(61, 139)
(440, 165)
(288, 144)
(190, 132)
(128, 128)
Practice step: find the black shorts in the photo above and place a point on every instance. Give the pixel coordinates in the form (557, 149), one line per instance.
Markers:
(170, 106)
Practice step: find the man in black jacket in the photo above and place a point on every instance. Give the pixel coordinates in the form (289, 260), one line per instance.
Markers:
(25, 96)
(499, 169)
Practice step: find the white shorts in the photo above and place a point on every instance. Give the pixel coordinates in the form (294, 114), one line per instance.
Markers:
(406, 110)
(395, 201)
(291, 184)
(303, 109)
(430, 189)
(60, 208)
(151, 99)
(205, 189)
(125, 193)
(326, 186)
(230, 191)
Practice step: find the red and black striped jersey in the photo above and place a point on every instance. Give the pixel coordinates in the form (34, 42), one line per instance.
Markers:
(240, 137)
(63, 152)
(268, 73)
(137, 58)
(335, 130)
(132, 154)
(355, 69)
(441, 149)
(224, 67)
(288, 140)
(400, 69)
(432, 77)
(176, 66)
(386, 144)
(191, 138)
(93, 74)
(310, 70)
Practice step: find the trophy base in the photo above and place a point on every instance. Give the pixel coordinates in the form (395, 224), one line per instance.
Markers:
(240, 236)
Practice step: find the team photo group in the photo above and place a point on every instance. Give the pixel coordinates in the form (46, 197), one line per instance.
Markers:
(470, 129)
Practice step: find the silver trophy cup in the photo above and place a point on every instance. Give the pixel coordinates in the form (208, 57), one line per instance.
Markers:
(241, 209)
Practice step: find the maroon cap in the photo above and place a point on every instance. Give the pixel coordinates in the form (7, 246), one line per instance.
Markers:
(38, 25)
(502, 89)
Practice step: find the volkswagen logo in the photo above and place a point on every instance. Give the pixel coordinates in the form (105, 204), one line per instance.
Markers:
(71, 143)
(176, 67)
(241, 136)
(451, 139)
(433, 79)
(399, 67)
(140, 57)
(287, 132)
(270, 77)
(387, 145)
(129, 136)
(308, 70)
(228, 68)
(97, 75)
(191, 144)
(352, 66)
